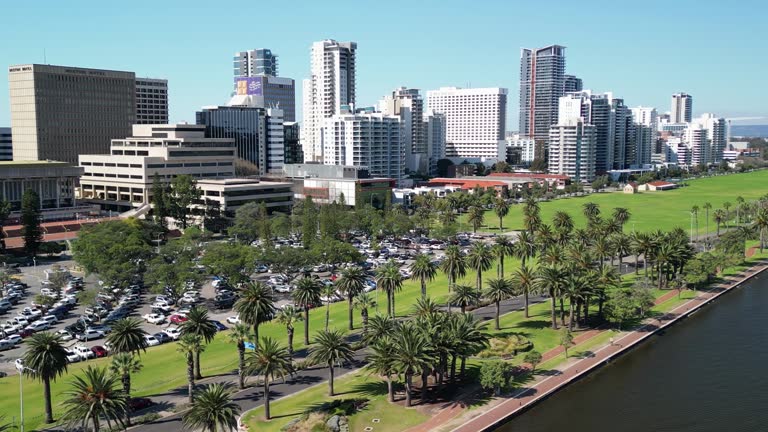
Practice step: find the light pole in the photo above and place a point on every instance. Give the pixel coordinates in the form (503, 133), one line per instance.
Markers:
(21, 368)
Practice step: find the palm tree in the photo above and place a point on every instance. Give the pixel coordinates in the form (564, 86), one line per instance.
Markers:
(198, 323)
(45, 360)
(602, 249)
(563, 222)
(95, 396)
(469, 336)
(499, 290)
(389, 280)
(213, 410)
(454, 265)
(761, 225)
(502, 247)
(425, 307)
(501, 208)
(525, 281)
(550, 279)
(379, 328)
(123, 365)
(271, 361)
(424, 270)
(463, 296)
(411, 354)
(288, 316)
(707, 206)
(719, 217)
(190, 345)
(480, 259)
(351, 283)
(591, 212)
(739, 205)
(127, 336)
(604, 277)
(575, 287)
(727, 206)
(331, 349)
(381, 361)
(695, 212)
(240, 334)
(475, 217)
(621, 215)
(306, 295)
(328, 293)
(622, 246)
(525, 247)
(255, 305)
(663, 254)
(364, 301)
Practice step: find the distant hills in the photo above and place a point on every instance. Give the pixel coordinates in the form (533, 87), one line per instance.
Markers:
(751, 131)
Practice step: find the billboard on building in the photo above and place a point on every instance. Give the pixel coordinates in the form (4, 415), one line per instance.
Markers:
(253, 86)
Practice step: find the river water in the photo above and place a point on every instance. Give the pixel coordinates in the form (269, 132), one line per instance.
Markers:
(707, 373)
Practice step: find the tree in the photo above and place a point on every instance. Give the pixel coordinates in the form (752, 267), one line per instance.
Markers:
(127, 336)
(533, 358)
(411, 354)
(381, 361)
(424, 270)
(379, 327)
(498, 290)
(525, 281)
(364, 301)
(454, 265)
(475, 217)
(463, 296)
(288, 316)
(550, 279)
(239, 335)
(502, 247)
(331, 349)
(525, 247)
(389, 280)
(123, 365)
(235, 262)
(707, 207)
(494, 375)
(159, 201)
(351, 283)
(621, 215)
(761, 225)
(719, 216)
(501, 208)
(183, 194)
(328, 293)
(189, 345)
(695, 213)
(271, 361)
(306, 295)
(247, 223)
(309, 224)
(480, 259)
(566, 339)
(45, 360)
(620, 306)
(30, 221)
(212, 410)
(94, 397)
(256, 305)
(5, 211)
(198, 323)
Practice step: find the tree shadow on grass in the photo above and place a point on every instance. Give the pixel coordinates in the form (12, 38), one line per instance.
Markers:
(533, 324)
(368, 389)
(584, 354)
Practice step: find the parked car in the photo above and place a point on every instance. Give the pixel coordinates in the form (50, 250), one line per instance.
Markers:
(72, 356)
(15, 339)
(219, 325)
(84, 352)
(38, 326)
(99, 351)
(177, 319)
(6, 345)
(162, 337)
(90, 334)
(151, 340)
(154, 318)
(233, 319)
(65, 335)
(173, 332)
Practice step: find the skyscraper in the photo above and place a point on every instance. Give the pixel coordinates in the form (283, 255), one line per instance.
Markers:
(475, 120)
(330, 87)
(6, 144)
(572, 149)
(409, 106)
(597, 110)
(58, 112)
(151, 101)
(255, 62)
(646, 126)
(542, 82)
(572, 84)
(435, 136)
(682, 108)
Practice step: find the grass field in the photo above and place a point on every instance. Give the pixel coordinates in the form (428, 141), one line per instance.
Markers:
(651, 210)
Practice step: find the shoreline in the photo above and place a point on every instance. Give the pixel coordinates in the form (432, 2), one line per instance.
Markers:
(529, 397)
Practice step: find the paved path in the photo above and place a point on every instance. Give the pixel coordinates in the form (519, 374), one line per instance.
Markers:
(528, 396)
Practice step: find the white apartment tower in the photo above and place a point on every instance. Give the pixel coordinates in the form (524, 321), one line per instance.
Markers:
(330, 87)
(706, 136)
(409, 106)
(572, 149)
(475, 121)
(365, 140)
(682, 108)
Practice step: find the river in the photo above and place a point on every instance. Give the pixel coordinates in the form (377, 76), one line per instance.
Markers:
(706, 373)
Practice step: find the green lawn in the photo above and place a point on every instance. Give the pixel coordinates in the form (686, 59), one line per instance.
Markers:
(651, 210)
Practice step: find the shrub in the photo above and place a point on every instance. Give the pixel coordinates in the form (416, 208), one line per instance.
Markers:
(506, 347)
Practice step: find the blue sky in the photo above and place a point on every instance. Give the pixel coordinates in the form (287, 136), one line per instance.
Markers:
(643, 51)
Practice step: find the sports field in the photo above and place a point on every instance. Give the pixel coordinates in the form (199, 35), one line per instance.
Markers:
(653, 210)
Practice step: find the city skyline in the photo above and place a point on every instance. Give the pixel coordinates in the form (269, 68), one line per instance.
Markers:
(201, 74)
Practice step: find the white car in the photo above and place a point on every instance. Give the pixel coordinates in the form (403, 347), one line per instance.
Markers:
(174, 333)
(10, 328)
(14, 339)
(72, 357)
(234, 319)
(90, 334)
(151, 340)
(50, 319)
(283, 288)
(84, 352)
(65, 335)
(38, 326)
(154, 318)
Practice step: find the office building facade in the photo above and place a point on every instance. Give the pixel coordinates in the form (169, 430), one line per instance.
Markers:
(572, 149)
(475, 121)
(645, 121)
(682, 108)
(6, 144)
(572, 83)
(542, 83)
(54, 183)
(254, 62)
(409, 106)
(292, 153)
(329, 89)
(151, 101)
(266, 91)
(58, 112)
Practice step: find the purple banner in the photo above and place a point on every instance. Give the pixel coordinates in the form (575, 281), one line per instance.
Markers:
(250, 86)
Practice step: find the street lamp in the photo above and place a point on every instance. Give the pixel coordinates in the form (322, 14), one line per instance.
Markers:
(21, 368)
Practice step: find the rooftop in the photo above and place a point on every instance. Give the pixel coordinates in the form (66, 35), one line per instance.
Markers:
(31, 163)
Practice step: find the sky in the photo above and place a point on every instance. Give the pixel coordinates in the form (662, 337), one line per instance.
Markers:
(642, 51)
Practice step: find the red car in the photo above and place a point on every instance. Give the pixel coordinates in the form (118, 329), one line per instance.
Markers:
(99, 351)
(26, 333)
(177, 319)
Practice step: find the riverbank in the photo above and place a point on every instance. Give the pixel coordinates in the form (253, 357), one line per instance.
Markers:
(493, 415)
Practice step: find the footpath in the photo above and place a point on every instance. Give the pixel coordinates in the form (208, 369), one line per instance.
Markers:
(573, 370)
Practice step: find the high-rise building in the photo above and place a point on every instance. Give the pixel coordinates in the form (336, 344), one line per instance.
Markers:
(682, 108)
(255, 62)
(706, 136)
(329, 89)
(597, 110)
(6, 144)
(435, 136)
(624, 147)
(257, 133)
(527, 146)
(645, 130)
(365, 140)
(151, 101)
(58, 112)
(572, 83)
(293, 153)
(475, 120)
(572, 149)
(409, 106)
(542, 82)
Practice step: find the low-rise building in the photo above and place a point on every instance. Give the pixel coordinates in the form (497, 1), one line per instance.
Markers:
(6, 144)
(658, 185)
(549, 181)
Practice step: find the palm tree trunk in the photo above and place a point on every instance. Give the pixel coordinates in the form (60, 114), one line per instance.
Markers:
(198, 375)
(424, 380)
(364, 314)
(660, 272)
(127, 390)
(190, 376)
(408, 379)
(586, 311)
(266, 399)
(389, 304)
(290, 342)
(394, 315)
(96, 425)
(330, 380)
(241, 365)
(351, 325)
(47, 397)
(501, 265)
(327, 313)
(256, 331)
(525, 301)
(423, 288)
(553, 309)
(570, 317)
(463, 367)
(497, 316)
(479, 281)
(390, 389)
(562, 312)
(306, 325)
(453, 367)
(637, 258)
